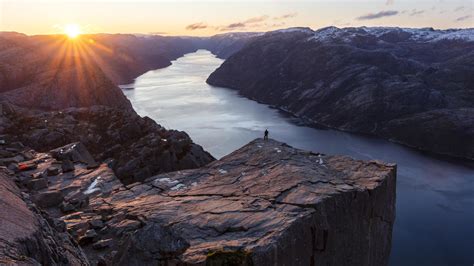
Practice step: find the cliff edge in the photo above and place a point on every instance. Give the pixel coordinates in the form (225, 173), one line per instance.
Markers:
(264, 204)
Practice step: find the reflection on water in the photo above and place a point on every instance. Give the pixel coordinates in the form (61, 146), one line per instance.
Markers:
(435, 197)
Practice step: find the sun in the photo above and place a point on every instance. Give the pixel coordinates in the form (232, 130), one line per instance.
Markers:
(72, 30)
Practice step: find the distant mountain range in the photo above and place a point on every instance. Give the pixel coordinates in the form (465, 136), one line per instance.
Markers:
(51, 72)
(412, 86)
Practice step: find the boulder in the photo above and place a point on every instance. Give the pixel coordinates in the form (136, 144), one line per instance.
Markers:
(96, 223)
(75, 152)
(51, 171)
(67, 166)
(48, 199)
(153, 243)
(37, 184)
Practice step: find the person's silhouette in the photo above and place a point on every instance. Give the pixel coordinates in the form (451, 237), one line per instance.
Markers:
(265, 136)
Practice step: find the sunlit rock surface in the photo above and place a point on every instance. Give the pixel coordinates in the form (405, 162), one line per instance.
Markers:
(264, 204)
(29, 236)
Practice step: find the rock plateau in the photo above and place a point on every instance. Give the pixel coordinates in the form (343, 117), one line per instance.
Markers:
(264, 204)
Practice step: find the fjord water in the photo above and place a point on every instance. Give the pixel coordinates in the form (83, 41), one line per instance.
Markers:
(435, 196)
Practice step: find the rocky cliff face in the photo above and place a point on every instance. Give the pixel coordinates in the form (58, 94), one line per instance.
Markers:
(226, 44)
(136, 147)
(413, 86)
(266, 203)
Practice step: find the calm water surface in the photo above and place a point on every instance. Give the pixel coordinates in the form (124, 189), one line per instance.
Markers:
(435, 197)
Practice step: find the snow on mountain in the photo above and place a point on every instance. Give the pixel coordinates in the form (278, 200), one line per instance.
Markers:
(404, 34)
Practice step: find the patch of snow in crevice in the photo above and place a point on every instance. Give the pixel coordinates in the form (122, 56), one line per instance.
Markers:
(93, 187)
(168, 180)
(222, 171)
(178, 187)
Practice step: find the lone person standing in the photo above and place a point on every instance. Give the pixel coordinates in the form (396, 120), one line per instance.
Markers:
(265, 136)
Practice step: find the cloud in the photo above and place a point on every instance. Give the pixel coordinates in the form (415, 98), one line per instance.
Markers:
(459, 8)
(286, 16)
(278, 24)
(158, 33)
(463, 18)
(197, 26)
(248, 23)
(256, 19)
(378, 15)
(259, 22)
(415, 12)
(235, 25)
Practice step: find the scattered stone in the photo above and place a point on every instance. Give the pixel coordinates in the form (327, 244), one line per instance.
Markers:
(17, 159)
(48, 199)
(67, 166)
(37, 184)
(67, 207)
(51, 171)
(26, 166)
(96, 223)
(101, 244)
(88, 237)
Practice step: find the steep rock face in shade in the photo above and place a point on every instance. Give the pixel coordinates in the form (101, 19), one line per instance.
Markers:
(264, 204)
(413, 86)
(226, 44)
(28, 236)
(138, 146)
(69, 86)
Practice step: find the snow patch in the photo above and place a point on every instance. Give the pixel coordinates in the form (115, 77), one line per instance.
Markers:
(93, 187)
(222, 171)
(346, 35)
(178, 187)
(168, 180)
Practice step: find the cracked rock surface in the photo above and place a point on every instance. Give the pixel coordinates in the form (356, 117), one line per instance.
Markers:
(264, 204)
(29, 236)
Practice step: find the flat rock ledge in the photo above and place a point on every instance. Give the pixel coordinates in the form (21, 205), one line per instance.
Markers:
(264, 204)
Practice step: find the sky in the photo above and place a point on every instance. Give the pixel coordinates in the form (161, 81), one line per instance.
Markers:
(203, 18)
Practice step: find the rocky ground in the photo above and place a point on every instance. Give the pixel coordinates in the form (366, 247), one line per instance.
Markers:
(135, 147)
(264, 204)
(412, 86)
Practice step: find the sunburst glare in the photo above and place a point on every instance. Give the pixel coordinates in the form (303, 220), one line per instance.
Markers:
(72, 30)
